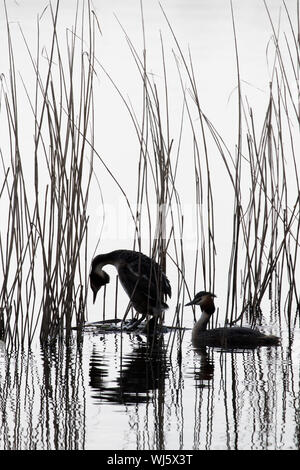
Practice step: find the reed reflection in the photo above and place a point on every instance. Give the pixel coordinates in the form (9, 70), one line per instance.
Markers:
(62, 409)
(240, 388)
(42, 399)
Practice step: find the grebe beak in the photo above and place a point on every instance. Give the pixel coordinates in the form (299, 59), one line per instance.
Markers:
(94, 295)
(199, 297)
(193, 302)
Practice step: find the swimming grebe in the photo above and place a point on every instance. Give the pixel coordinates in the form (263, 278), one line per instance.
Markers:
(141, 277)
(227, 337)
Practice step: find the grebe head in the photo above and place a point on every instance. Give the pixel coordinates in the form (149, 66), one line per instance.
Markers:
(205, 300)
(98, 278)
(201, 297)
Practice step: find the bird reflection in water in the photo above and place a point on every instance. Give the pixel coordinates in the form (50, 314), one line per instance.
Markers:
(203, 368)
(142, 371)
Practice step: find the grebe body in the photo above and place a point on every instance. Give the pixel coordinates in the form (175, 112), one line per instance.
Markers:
(141, 277)
(226, 337)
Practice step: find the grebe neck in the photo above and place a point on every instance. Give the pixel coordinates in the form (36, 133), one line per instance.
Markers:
(102, 260)
(201, 324)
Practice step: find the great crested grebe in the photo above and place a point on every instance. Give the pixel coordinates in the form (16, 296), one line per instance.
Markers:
(141, 277)
(227, 337)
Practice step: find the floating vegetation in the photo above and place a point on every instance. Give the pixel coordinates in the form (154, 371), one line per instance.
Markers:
(117, 325)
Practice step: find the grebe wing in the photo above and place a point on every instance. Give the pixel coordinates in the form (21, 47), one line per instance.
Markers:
(144, 283)
(141, 266)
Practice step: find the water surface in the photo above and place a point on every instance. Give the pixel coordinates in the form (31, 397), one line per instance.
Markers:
(112, 392)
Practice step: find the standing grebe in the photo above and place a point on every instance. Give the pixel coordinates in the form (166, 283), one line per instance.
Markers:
(235, 337)
(141, 277)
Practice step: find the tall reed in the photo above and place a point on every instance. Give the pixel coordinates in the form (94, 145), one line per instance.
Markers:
(43, 246)
(265, 228)
(44, 254)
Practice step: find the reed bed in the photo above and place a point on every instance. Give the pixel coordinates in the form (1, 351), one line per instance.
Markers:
(263, 171)
(43, 246)
(266, 220)
(156, 173)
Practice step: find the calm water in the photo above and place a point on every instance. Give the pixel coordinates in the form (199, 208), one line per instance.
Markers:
(107, 391)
